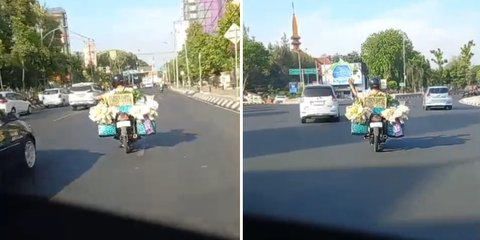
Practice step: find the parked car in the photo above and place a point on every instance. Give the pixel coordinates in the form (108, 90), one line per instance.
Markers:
(17, 142)
(12, 102)
(84, 95)
(437, 97)
(319, 101)
(279, 99)
(55, 97)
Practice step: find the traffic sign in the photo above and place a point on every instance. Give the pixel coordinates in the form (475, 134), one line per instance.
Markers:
(308, 71)
(233, 33)
(293, 87)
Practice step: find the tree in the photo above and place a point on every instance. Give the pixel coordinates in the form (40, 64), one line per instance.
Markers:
(459, 69)
(352, 57)
(439, 73)
(123, 61)
(382, 53)
(256, 62)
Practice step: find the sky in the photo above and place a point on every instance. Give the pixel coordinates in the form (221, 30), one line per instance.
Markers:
(131, 25)
(341, 26)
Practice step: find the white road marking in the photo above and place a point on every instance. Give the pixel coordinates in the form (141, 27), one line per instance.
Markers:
(66, 116)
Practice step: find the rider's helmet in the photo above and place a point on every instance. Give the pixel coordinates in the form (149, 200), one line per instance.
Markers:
(118, 80)
(375, 83)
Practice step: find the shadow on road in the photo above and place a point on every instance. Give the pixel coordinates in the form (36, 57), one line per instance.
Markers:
(54, 170)
(263, 113)
(366, 198)
(167, 139)
(410, 143)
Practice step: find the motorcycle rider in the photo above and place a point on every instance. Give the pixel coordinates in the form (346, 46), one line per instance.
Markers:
(119, 84)
(374, 90)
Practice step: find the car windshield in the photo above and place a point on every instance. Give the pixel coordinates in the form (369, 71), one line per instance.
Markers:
(317, 92)
(81, 88)
(438, 90)
(50, 92)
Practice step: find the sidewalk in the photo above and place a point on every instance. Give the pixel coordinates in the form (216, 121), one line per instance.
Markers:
(222, 100)
(216, 92)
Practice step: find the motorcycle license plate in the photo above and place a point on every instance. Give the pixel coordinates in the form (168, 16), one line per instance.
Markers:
(376, 124)
(124, 124)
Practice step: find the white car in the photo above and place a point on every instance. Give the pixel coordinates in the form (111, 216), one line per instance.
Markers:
(55, 97)
(437, 97)
(319, 101)
(279, 99)
(12, 102)
(84, 95)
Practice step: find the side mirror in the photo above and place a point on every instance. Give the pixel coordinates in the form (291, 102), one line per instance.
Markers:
(13, 116)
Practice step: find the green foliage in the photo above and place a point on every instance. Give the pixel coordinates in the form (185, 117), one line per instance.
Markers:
(30, 46)
(459, 71)
(123, 61)
(382, 53)
(215, 53)
(392, 85)
(256, 61)
(352, 57)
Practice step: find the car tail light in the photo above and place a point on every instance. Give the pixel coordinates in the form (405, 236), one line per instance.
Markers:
(3, 100)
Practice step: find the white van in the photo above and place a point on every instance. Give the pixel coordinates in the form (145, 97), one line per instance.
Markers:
(84, 95)
(319, 101)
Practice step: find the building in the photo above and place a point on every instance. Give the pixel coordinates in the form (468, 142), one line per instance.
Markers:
(207, 12)
(61, 16)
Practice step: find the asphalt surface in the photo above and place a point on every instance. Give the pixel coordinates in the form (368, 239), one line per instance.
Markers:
(184, 176)
(422, 186)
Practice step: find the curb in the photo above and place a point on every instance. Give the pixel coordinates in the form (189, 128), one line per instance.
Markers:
(38, 106)
(472, 101)
(217, 101)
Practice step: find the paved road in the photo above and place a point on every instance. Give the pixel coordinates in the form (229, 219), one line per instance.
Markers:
(425, 185)
(186, 175)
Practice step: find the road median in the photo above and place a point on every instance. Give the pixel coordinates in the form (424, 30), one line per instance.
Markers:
(228, 102)
(472, 101)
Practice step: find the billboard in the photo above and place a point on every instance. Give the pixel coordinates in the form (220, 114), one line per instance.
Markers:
(339, 73)
(90, 54)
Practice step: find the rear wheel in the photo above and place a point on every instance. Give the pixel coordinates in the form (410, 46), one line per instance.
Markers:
(124, 140)
(427, 108)
(13, 110)
(376, 140)
(448, 107)
(74, 108)
(304, 120)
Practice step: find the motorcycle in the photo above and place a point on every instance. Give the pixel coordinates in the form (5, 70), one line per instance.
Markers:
(126, 130)
(377, 131)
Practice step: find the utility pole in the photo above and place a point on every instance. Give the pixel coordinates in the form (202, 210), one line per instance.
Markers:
(200, 68)
(404, 66)
(188, 67)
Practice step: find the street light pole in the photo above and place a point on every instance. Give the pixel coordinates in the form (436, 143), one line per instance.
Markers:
(300, 68)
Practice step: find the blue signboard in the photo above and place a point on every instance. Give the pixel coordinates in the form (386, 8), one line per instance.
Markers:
(293, 86)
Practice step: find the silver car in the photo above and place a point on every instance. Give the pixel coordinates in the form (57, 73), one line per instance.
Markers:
(437, 97)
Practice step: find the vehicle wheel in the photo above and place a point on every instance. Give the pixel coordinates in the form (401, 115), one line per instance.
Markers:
(427, 108)
(376, 140)
(74, 108)
(124, 140)
(13, 110)
(30, 153)
(29, 111)
(336, 118)
(304, 120)
(448, 107)
(46, 106)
